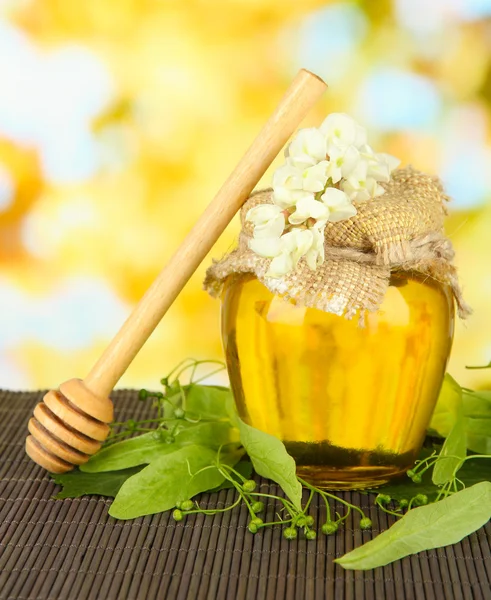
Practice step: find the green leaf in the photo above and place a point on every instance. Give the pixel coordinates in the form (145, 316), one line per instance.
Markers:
(477, 405)
(271, 460)
(452, 454)
(447, 407)
(477, 409)
(424, 528)
(129, 453)
(207, 401)
(167, 480)
(76, 483)
(149, 446)
(213, 434)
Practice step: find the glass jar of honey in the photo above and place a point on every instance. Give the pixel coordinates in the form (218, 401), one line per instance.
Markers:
(351, 403)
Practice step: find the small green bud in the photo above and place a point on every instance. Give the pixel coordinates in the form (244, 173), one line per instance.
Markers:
(249, 485)
(329, 528)
(403, 503)
(420, 499)
(142, 395)
(187, 505)
(164, 381)
(290, 533)
(383, 499)
(301, 521)
(410, 473)
(365, 523)
(252, 527)
(179, 413)
(257, 507)
(178, 504)
(416, 478)
(177, 515)
(309, 521)
(257, 521)
(310, 534)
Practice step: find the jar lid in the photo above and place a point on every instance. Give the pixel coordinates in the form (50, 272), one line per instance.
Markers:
(400, 230)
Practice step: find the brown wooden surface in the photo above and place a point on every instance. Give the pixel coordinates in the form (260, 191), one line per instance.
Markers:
(72, 549)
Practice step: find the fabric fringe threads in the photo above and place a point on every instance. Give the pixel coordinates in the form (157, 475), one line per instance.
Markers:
(402, 230)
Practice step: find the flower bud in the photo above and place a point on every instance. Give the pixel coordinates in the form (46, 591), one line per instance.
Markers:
(249, 485)
(290, 533)
(177, 515)
(187, 505)
(329, 528)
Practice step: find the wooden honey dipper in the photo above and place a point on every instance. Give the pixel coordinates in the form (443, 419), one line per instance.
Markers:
(71, 423)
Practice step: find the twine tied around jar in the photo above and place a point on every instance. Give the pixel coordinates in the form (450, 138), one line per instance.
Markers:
(402, 230)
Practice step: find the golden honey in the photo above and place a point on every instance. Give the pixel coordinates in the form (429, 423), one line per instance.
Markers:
(351, 404)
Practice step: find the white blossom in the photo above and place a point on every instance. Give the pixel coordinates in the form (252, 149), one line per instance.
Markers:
(307, 148)
(292, 246)
(342, 161)
(288, 186)
(280, 265)
(266, 247)
(339, 205)
(315, 255)
(359, 186)
(380, 165)
(295, 244)
(314, 178)
(341, 130)
(326, 170)
(308, 208)
(268, 220)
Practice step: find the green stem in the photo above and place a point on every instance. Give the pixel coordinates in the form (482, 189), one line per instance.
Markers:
(332, 496)
(387, 510)
(213, 511)
(286, 503)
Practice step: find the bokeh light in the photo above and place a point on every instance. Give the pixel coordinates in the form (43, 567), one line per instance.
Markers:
(120, 120)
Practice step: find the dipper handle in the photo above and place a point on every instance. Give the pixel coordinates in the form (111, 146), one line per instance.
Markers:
(72, 422)
(302, 94)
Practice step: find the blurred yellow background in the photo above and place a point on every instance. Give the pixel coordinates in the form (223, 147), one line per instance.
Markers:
(120, 119)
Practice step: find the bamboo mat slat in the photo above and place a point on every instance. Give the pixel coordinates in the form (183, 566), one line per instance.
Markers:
(72, 549)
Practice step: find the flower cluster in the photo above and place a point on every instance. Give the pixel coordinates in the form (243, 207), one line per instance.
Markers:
(326, 170)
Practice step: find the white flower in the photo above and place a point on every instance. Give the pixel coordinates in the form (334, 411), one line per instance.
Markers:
(339, 205)
(342, 161)
(314, 178)
(308, 208)
(294, 244)
(291, 184)
(288, 186)
(285, 251)
(280, 265)
(341, 130)
(359, 186)
(337, 156)
(307, 148)
(266, 247)
(380, 165)
(315, 255)
(268, 220)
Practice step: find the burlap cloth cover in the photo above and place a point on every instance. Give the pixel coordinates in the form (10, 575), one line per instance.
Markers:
(400, 230)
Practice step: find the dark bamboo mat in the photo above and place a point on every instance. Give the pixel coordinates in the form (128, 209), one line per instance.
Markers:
(72, 549)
